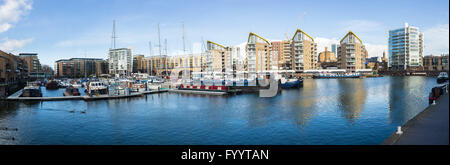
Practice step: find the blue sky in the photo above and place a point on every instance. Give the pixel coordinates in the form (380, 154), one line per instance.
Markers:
(82, 28)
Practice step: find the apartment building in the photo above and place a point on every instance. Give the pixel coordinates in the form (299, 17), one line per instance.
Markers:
(81, 67)
(282, 51)
(138, 63)
(258, 59)
(217, 57)
(436, 63)
(304, 51)
(352, 53)
(120, 61)
(13, 73)
(405, 48)
(34, 66)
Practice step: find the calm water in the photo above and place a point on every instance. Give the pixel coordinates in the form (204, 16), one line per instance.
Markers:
(325, 111)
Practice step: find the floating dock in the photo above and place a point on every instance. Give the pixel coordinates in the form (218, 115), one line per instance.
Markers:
(198, 92)
(429, 127)
(15, 97)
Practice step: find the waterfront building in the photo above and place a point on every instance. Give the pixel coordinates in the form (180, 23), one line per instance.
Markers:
(352, 53)
(138, 64)
(304, 52)
(34, 66)
(81, 67)
(189, 62)
(405, 48)
(164, 65)
(217, 58)
(436, 63)
(156, 65)
(258, 52)
(13, 73)
(14, 68)
(276, 48)
(120, 61)
(282, 50)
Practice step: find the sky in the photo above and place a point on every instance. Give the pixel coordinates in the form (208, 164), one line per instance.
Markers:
(58, 29)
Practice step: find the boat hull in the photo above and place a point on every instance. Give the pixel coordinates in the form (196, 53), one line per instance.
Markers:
(292, 84)
(441, 80)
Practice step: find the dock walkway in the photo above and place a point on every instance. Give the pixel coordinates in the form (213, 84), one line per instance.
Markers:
(15, 97)
(198, 92)
(429, 127)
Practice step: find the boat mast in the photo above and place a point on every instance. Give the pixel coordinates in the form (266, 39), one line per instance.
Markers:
(159, 45)
(184, 46)
(151, 52)
(113, 37)
(165, 51)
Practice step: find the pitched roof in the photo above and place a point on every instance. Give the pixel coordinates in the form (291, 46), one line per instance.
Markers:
(208, 41)
(251, 33)
(299, 30)
(350, 32)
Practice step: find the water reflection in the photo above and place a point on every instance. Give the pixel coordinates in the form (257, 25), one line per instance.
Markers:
(307, 103)
(351, 98)
(407, 97)
(317, 113)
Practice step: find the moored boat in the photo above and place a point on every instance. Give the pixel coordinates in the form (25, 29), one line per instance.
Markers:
(443, 76)
(349, 75)
(71, 91)
(211, 88)
(96, 88)
(52, 84)
(291, 83)
(32, 91)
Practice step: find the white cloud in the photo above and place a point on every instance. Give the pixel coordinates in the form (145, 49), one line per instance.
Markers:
(436, 39)
(324, 42)
(11, 11)
(12, 45)
(376, 50)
